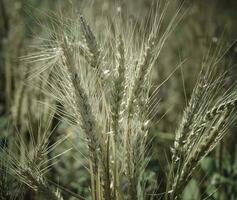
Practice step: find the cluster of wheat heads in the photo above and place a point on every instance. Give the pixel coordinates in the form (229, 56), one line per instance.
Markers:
(102, 86)
(206, 120)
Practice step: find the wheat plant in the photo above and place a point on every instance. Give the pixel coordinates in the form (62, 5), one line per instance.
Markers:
(100, 84)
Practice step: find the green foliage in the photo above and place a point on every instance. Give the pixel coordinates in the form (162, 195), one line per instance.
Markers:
(191, 191)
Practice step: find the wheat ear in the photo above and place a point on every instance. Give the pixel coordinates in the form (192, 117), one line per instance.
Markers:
(84, 108)
(119, 87)
(94, 51)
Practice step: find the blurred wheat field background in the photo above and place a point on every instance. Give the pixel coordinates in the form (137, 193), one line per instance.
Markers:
(116, 100)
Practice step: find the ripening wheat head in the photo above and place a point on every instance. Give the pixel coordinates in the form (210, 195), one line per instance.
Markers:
(28, 161)
(100, 80)
(101, 83)
(206, 120)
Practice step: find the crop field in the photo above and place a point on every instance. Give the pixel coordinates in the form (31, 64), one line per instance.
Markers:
(118, 100)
